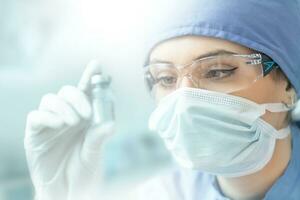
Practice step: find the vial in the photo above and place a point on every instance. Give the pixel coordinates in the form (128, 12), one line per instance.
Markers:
(102, 99)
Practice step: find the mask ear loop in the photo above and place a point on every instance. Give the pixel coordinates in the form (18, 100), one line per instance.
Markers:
(278, 134)
(278, 107)
(283, 133)
(281, 107)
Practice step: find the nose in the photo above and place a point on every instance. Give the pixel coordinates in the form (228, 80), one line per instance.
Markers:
(186, 81)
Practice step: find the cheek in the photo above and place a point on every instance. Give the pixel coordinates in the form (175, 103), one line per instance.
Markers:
(262, 91)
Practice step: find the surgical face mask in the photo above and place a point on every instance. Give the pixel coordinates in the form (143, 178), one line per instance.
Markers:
(215, 132)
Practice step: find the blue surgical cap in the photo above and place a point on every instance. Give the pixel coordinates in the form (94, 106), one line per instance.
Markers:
(269, 26)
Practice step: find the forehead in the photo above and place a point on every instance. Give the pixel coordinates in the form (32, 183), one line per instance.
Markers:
(183, 49)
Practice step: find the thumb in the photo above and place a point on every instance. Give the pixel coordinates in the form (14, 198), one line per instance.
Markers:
(94, 139)
(93, 67)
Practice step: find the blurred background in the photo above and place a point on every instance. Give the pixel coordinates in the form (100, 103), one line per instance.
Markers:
(45, 45)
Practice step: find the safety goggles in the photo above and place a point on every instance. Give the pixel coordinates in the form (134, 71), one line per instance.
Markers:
(224, 73)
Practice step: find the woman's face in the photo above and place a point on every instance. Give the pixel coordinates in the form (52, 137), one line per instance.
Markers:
(183, 50)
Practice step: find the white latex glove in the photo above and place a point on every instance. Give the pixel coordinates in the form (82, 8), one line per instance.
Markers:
(63, 148)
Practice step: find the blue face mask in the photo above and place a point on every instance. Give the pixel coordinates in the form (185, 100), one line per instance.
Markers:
(215, 132)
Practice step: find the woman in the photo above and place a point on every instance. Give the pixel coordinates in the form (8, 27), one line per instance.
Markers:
(224, 76)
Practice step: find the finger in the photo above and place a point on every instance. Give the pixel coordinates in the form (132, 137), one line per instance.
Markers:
(77, 99)
(94, 67)
(55, 104)
(38, 120)
(94, 139)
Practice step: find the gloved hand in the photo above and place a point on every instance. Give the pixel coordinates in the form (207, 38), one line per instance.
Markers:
(63, 148)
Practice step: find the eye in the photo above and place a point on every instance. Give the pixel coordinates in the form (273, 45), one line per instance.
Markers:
(167, 81)
(219, 73)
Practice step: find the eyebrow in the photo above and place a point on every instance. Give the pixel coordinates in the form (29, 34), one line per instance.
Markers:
(209, 54)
